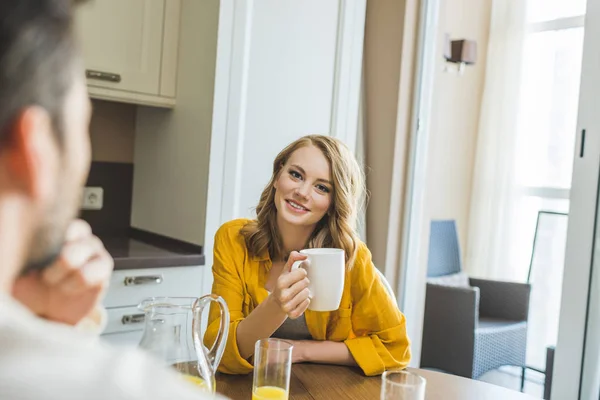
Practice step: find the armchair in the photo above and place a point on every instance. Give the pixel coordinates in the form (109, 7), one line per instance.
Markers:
(471, 326)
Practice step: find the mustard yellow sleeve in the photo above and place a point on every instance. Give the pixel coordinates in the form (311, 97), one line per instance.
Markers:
(381, 341)
(228, 257)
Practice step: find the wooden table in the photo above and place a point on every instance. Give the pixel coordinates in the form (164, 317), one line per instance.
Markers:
(311, 381)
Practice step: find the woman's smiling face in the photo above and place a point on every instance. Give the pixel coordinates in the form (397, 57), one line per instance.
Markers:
(303, 189)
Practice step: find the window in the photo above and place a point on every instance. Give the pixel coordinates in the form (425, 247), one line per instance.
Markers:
(546, 135)
(544, 11)
(547, 121)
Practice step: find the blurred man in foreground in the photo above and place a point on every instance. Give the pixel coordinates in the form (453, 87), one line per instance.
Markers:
(53, 271)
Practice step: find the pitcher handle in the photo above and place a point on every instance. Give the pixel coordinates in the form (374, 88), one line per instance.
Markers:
(215, 353)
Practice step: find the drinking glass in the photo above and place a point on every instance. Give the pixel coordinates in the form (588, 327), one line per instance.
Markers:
(272, 369)
(402, 385)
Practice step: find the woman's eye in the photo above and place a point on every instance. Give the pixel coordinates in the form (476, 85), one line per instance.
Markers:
(295, 174)
(323, 188)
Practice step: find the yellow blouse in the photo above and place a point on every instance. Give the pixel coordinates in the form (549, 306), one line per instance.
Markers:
(368, 321)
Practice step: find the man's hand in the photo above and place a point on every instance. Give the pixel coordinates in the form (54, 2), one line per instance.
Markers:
(68, 290)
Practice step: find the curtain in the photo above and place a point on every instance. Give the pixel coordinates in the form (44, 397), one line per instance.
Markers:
(493, 199)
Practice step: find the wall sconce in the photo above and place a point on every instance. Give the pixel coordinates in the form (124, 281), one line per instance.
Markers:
(460, 53)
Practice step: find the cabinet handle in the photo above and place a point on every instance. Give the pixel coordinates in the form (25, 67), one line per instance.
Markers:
(143, 280)
(102, 76)
(132, 319)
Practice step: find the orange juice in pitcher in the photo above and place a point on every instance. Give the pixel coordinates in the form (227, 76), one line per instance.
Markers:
(196, 380)
(173, 334)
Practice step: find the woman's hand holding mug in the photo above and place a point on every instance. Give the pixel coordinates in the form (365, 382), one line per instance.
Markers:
(291, 290)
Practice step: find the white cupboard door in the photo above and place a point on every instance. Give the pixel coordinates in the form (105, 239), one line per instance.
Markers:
(284, 69)
(295, 70)
(122, 43)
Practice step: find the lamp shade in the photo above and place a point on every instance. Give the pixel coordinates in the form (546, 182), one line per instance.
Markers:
(461, 51)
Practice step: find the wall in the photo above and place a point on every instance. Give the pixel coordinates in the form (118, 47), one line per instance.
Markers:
(390, 76)
(382, 47)
(112, 131)
(390, 60)
(172, 146)
(455, 116)
(112, 137)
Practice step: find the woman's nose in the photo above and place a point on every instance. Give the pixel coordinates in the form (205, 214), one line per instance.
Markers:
(302, 190)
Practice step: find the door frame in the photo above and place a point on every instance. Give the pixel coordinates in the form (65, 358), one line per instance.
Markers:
(411, 260)
(572, 371)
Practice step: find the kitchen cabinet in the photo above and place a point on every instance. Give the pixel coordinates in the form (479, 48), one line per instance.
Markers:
(130, 49)
(128, 288)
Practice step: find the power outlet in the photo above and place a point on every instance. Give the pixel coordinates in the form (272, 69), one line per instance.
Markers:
(92, 198)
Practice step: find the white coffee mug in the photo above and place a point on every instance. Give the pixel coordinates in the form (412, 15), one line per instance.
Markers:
(326, 270)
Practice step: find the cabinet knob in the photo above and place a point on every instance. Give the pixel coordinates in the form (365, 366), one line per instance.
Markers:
(102, 76)
(143, 280)
(132, 319)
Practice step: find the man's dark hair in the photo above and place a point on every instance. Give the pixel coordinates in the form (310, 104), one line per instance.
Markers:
(37, 59)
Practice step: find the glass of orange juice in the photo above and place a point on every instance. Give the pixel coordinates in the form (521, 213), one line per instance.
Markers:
(272, 369)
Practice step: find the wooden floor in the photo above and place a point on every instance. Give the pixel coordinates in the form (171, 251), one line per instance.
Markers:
(510, 377)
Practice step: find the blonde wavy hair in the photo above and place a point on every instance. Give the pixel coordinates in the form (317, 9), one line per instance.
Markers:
(337, 229)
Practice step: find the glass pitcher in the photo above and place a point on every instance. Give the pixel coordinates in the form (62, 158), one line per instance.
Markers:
(173, 334)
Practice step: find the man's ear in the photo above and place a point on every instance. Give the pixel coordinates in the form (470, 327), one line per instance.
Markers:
(31, 152)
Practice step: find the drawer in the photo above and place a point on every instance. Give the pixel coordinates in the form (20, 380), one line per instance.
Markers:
(125, 339)
(130, 287)
(124, 319)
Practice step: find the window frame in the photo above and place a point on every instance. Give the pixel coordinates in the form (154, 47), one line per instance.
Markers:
(550, 192)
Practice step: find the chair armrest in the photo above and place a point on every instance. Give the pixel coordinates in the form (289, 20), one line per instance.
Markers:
(504, 300)
(449, 323)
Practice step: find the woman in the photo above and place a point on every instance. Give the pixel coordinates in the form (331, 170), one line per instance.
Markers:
(311, 201)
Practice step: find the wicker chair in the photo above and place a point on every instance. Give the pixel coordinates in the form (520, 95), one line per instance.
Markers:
(473, 328)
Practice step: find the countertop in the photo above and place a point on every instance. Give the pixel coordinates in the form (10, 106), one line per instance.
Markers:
(136, 249)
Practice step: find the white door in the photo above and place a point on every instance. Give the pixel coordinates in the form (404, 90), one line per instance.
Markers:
(577, 360)
(122, 43)
(590, 378)
(284, 70)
